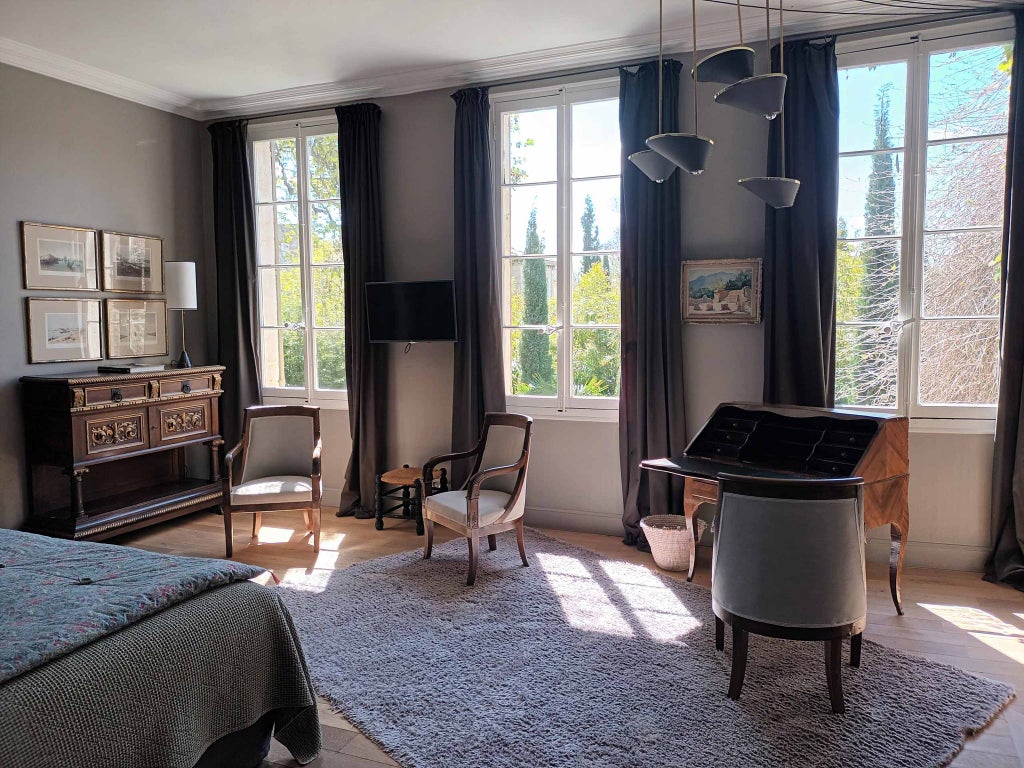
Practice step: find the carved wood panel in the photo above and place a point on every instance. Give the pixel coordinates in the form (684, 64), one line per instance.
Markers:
(184, 421)
(115, 432)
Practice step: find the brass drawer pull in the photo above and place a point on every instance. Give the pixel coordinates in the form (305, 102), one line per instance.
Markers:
(115, 395)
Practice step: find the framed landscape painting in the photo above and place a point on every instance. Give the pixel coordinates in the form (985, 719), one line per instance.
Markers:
(63, 330)
(59, 258)
(721, 291)
(136, 328)
(133, 263)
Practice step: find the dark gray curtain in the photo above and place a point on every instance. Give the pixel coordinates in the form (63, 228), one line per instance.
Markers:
(800, 242)
(651, 422)
(362, 240)
(234, 234)
(479, 383)
(1006, 560)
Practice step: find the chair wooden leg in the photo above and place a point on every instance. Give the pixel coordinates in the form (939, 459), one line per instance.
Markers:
(257, 524)
(855, 645)
(228, 548)
(429, 547)
(492, 542)
(739, 662)
(522, 544)
(719, 634)
(307, 515)
(834, 674)
(315, 515)
(474, 554)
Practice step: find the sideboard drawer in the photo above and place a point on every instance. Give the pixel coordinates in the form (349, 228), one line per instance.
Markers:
(187, 421)
(115, 393)
(186, 385)
(114, 433)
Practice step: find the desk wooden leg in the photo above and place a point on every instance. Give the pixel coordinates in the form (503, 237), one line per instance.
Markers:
(897, 537)
(690, 506)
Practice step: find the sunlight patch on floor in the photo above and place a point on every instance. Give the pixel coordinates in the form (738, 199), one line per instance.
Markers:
(984, 627)
(306, 579)
(270, 534)
(657, 608)
(585, 604)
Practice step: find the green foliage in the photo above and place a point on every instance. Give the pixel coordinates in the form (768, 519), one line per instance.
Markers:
(536, 365)
(591, 234)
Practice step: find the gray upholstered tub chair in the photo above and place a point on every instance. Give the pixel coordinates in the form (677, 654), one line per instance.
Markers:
(275, 467)
(789, 563)
(493, 499)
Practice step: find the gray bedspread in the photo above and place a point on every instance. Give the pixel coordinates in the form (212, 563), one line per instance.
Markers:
(158, 692)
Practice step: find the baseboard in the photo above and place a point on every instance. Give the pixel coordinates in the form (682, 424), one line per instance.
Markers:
(574, 520)
(330, 497)
(930, 554)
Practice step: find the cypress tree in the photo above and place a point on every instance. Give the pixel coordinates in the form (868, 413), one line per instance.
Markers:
(535, 350)
(591, 236)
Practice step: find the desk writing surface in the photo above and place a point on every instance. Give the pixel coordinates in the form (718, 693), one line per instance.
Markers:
(710, 469)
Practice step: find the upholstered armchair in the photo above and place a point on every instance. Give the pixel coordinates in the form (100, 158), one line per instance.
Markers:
(789, 563)
(275, 467)
(493, 499)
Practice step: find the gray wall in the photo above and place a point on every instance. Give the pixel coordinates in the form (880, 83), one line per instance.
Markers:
(69, 155)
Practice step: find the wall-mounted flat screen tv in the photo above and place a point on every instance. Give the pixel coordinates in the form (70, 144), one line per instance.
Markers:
(422, 310)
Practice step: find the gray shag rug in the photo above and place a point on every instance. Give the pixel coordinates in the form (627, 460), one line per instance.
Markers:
(582, 661)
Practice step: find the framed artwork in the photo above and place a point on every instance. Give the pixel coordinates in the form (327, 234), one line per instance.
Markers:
(721, 291)
(133, 263)
(63, 330)
(136, 327)
(58, 257)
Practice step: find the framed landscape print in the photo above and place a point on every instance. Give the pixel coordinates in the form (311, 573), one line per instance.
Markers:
(59, 258)
(721, 291)
(133, 263)
(136, 327)
(63, 330)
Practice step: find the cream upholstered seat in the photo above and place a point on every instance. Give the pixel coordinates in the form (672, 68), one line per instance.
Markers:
(275, 467)
(493, 499)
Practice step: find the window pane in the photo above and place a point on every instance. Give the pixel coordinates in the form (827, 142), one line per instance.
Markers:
(596, 289)
(534, 357)
(884, 86)
(531, 146)
(531, 219)
(325, 232)
(866, 366)
(531, 291)
(329, 297)
(595, 139)
(871, 194)
(965, 184)
(280, 295)
(276, 170)
(959, 362)
(961, 273)
(330, 359)
(867, 280)
(282, 358)
(595, 362)
(322, 166)
(277, 234)
(595, 215)
(968, 91)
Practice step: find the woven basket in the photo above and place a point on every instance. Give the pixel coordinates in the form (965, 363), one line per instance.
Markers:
(670, 540)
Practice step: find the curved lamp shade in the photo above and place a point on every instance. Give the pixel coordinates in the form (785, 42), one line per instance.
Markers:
(726, 66)
(654, 166)
(761, 94)
(776, 191)
(687, 150)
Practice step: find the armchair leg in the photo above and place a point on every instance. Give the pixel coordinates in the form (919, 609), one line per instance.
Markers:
(474, 554)
(739, 662)
(855, 644)
(314, 515)
(228, 549)
(307, 515)
(430, 539)
(257, 524)
(834, 674)
(492, 542)
(719, 634)
(522, 544)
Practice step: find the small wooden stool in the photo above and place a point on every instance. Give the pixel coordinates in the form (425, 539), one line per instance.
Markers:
(408, 493)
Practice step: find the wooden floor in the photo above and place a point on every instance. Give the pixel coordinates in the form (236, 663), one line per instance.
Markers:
(951, 617)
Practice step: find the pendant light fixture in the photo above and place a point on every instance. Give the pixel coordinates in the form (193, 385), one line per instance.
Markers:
(728, 65)
(687, 150)
(776, 191)
(760, 94)
(654, 166)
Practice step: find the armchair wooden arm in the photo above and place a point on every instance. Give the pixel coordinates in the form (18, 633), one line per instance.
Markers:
(236, 453)
(317, 449)
(473, 489)
(428, 466)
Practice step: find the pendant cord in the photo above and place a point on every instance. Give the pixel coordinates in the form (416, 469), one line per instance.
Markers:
(782, 71)
(661, 65)
(739, 20)
(693, 13)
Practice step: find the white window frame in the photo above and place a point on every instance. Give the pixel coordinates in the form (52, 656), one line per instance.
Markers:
(915, 48)
(564, 404)
(300, 130)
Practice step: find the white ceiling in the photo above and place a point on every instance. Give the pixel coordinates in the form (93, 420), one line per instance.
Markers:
(212, 57)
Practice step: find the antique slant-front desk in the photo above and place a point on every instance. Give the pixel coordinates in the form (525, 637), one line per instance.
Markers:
(106, 453)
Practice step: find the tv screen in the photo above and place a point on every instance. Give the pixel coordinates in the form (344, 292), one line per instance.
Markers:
(411, 311)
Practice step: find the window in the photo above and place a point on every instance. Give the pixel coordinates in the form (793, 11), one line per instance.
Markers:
(299, 261)
(558, 191)
(922, 160)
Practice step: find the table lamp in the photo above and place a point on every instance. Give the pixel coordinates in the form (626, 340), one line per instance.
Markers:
(181, 295)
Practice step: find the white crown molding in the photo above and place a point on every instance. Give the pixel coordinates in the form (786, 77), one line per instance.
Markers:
(70, 71)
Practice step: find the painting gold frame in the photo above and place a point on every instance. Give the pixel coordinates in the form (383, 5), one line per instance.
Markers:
(37, 277)
(43, 325)
(725, 299)
(136, 328)
(151, 283)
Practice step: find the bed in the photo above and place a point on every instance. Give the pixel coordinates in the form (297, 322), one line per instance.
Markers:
(112, 656)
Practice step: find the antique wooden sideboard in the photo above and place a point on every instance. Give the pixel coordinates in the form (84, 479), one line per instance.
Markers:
(106, 453)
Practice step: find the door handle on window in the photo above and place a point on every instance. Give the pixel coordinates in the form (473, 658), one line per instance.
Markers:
(295, 326)
(551, 329)
(894, 326)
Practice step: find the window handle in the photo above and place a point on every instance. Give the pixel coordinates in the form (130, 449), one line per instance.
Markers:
(295, 326)
(895, 326)
(551, 329)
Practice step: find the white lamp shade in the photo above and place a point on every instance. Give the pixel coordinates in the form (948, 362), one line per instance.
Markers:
(181, 285)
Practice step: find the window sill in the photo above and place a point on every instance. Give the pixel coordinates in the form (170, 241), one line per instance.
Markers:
(610, 415)
(327, 404)
(953, 426)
